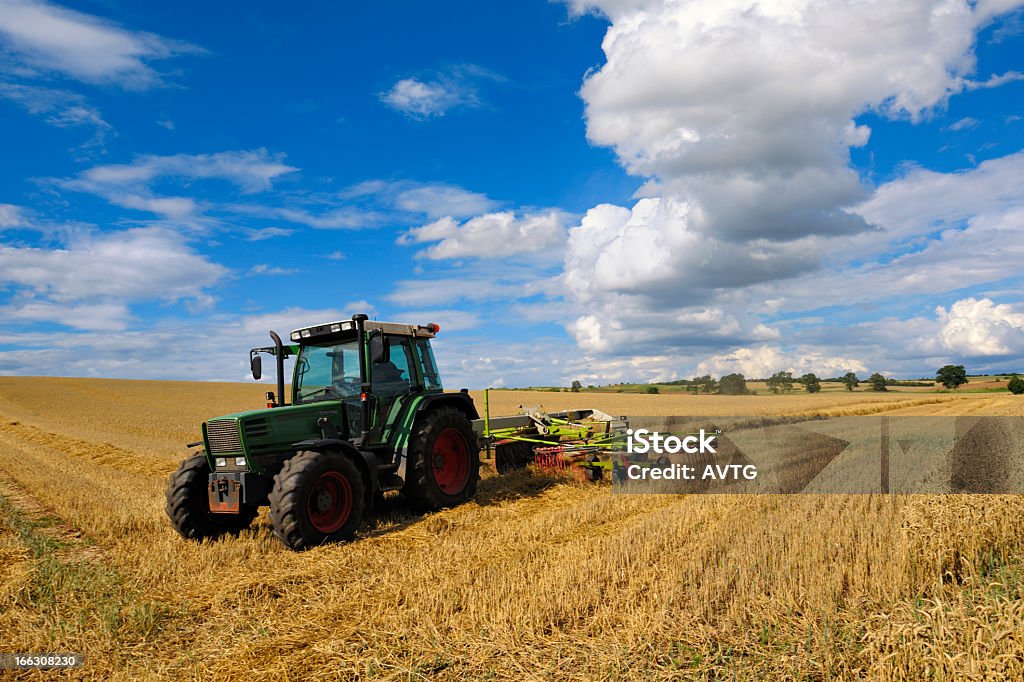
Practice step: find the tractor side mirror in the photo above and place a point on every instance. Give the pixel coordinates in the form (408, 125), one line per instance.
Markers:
(380, 350)
(256, 364)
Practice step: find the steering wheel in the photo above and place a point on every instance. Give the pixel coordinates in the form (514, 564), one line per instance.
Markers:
(350, 383)
(332, 390)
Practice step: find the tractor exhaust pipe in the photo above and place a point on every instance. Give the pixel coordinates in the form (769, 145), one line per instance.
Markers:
(279, 356)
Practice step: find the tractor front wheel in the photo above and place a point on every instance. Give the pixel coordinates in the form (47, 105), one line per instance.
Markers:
(444, 460)
(318, 497)
(188, 504)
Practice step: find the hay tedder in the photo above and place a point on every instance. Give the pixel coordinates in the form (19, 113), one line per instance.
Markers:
(578, 441)
(368, 415)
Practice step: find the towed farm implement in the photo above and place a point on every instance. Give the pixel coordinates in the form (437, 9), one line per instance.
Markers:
(368, 415)
(573, 439)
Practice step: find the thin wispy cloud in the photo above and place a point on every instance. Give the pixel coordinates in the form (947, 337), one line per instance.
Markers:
(131, 185)
(264, 233)
(272, 270)
(41, 38)
(423, 99)
(434, 95)
(964, 123)
(61, 109)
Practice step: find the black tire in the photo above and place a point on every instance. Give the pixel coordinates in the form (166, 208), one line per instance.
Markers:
(513, 455)
(444, 460)
(318, 497)
(188, 504)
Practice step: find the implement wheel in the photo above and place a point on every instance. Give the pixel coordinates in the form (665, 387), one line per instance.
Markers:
(444, 460)
(188, 504)
(318, 497)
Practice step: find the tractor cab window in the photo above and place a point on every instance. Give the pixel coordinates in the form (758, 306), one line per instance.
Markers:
(327, 372)
(431, 378)
(394, 376)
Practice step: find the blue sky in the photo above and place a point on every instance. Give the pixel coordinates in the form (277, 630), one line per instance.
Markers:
(605, 191)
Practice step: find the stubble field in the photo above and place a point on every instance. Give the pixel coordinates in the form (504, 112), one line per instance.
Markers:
(537, 578)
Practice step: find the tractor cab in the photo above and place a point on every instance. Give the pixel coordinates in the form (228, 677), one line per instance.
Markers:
(376, 381)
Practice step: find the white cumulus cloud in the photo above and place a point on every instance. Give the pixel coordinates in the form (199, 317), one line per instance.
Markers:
(978, 327)
(433, 95)
(439, 200)
(492, 235)
(654, 250)
(746, 109)
(423, 99)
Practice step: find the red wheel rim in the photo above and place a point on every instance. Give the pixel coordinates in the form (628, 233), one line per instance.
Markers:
(451, 461)
(330, 502)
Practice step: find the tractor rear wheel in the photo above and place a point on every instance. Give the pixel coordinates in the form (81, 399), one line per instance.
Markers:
(444, 460)
(318, 497)
(188, 504)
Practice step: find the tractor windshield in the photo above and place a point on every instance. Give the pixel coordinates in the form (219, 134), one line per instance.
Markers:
(327, 372)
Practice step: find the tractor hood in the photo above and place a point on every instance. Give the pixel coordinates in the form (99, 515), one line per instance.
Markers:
(262, 435)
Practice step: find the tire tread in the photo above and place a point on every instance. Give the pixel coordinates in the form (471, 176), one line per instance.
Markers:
(420, 488)
(288, 505)
(184, 504)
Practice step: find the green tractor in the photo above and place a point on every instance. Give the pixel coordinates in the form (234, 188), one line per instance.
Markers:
(368, 415)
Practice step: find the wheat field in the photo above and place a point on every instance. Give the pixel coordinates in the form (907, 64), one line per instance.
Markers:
(536, 578)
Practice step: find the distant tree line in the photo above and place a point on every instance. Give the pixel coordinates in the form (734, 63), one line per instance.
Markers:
(950, 376)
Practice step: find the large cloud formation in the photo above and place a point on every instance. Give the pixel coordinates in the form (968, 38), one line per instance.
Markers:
(740, 116)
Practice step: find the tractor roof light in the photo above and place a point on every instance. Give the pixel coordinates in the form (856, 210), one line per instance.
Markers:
(322, 330)
(330, 330)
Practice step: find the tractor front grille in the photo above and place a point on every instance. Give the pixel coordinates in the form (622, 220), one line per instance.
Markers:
(223, 436)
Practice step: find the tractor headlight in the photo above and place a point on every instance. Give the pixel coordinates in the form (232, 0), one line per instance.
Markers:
(221, 462)
(239, 461)
(295, 336)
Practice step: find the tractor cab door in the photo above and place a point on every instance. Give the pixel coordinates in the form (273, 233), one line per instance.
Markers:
(394, 381)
